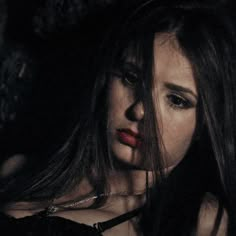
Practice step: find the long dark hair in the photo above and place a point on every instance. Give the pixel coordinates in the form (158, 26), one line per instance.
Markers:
(205, 33)
(44, 95)
(50, 121)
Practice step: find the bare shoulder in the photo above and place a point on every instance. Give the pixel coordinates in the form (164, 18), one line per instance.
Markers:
(212, 217)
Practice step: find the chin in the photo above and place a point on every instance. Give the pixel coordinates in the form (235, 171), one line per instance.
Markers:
(125, 155)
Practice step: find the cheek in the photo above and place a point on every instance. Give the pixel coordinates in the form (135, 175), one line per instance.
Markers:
(115, 95)
(114, 102)
(119, 99)
(177, 132)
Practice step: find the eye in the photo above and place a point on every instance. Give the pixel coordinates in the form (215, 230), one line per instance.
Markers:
(130, 78)
(178, 102)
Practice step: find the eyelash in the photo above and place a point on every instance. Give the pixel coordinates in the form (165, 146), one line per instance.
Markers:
(130, 78)
(178, 102)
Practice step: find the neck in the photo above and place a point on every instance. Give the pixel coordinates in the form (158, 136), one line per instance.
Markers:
(132, 182)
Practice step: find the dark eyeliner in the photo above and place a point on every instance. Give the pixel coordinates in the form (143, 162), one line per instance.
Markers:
(178, 102)
(130, 78)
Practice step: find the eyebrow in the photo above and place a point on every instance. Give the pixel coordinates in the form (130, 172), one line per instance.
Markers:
(130, 65)
(180, 89)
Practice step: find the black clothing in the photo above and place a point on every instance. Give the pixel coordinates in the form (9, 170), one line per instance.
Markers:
(39, 225)
(44, 226)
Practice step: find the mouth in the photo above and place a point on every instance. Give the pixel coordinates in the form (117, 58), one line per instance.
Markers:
(129, 137)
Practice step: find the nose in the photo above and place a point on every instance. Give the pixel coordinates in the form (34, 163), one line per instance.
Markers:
(136, 111)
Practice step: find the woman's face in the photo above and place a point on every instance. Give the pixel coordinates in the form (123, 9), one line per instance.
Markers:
(175, 97)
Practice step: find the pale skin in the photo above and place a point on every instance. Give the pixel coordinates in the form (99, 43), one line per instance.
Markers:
(176, 97)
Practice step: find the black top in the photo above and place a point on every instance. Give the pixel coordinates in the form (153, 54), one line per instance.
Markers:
(38, 225)
(44, 226)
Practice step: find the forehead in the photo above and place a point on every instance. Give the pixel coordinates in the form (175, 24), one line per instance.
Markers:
(170, 64)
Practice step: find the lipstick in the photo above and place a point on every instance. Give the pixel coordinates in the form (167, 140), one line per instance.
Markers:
(129, 137)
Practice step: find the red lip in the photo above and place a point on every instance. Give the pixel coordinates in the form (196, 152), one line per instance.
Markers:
(129, 137)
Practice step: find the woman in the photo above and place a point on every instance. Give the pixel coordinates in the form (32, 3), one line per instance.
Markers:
(160, 97)
(163, 99)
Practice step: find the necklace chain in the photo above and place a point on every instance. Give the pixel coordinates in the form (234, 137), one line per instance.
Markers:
(75, 203)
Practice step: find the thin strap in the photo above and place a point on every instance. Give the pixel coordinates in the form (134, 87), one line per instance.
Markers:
(102, 226)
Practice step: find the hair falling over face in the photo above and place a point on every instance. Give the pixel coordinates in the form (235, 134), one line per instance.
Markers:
(203, 35)
(164, 102)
